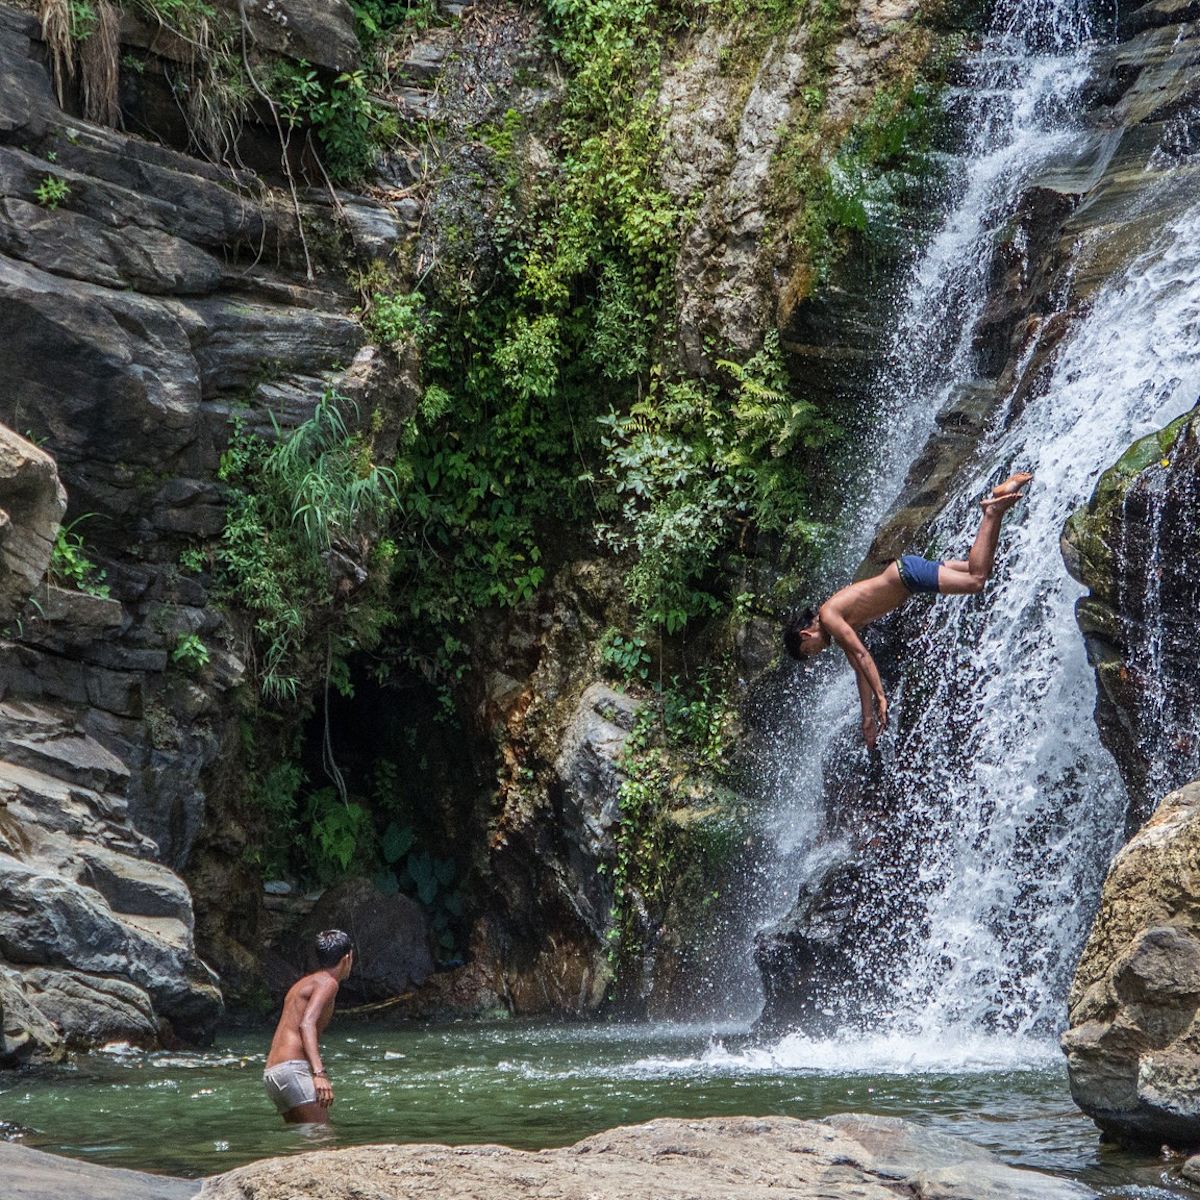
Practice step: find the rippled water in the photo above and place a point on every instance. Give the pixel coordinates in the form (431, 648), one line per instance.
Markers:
(533, 1085)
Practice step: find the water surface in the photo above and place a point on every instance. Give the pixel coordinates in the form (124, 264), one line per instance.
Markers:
(533, 1085)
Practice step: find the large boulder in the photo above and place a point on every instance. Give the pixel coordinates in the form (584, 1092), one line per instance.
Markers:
(390, 934)
(1134, 546)
(1133, 1045)
(747, 1158)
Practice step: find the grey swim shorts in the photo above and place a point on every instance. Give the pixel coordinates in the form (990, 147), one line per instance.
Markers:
(290, 1084)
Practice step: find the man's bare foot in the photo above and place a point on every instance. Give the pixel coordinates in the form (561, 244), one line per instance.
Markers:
(1008, 492)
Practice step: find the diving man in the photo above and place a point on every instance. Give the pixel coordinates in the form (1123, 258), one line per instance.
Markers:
(849, 610)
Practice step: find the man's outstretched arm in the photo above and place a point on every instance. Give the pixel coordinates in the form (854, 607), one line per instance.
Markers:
(870, 686)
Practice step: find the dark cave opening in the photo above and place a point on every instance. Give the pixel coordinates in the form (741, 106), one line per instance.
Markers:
(415, 796)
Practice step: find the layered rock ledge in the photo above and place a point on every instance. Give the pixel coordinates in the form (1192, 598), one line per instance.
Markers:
(868, 1158)
(1133, 1046)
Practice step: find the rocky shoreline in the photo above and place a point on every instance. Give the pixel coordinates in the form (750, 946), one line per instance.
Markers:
(865, 1157)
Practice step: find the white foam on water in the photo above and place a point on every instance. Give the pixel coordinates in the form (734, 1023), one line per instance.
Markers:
(884, 1054)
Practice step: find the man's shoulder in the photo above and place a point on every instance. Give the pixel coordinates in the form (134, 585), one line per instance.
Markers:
(315, 981)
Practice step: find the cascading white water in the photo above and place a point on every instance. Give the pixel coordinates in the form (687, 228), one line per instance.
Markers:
(1015, 104)
(1015, 805)
(1005, 806)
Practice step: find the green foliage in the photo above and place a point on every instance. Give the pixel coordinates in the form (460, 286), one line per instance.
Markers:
(687, 466)
(273, 796)
(82, 18)
(626, 656)
(289, 503)
(374, 18)
(190, 653)
(394, 317)
(339, 835)
(518, 371)
(347, 120)
(52, 191)
(70, 566)
(396, 842)
(193, 559)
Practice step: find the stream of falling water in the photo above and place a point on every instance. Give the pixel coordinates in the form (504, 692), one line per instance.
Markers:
(1005, 807)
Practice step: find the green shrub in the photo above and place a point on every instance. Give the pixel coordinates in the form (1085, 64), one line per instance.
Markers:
(52, 191)
(346, 118)
(70, 567)
(689, 465)
(288, 503)
(394, 317)
(190, 653)
(627, 656)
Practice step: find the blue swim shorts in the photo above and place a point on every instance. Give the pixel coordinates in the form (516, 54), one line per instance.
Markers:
(918, 574)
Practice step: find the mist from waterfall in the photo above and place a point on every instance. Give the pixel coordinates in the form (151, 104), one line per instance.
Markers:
(1004, 808)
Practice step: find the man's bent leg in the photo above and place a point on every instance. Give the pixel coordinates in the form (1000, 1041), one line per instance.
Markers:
(953, 580)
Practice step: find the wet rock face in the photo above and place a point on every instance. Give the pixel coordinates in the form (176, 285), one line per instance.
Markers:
(1133, 546)
(725, 128)
(872, 1158)
(538, 944)
(1133, 1042)
(590, 778)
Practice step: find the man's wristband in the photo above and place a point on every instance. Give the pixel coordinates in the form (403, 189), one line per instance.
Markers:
(322, 1071)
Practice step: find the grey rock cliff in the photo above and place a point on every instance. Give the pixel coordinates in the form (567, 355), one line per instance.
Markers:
(155, 297)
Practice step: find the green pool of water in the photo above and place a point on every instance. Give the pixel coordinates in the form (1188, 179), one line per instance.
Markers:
(535, 1085)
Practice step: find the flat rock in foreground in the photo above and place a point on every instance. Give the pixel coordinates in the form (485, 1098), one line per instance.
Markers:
(34, 1175)
(772, 1158)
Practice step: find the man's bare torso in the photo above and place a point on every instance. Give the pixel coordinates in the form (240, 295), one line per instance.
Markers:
(287, 1043)
(869, 599)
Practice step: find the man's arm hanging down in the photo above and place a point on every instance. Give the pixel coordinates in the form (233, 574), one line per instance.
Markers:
(870, 686)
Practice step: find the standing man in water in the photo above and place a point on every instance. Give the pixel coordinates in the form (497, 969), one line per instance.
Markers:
(847, 611)
(295, 1078)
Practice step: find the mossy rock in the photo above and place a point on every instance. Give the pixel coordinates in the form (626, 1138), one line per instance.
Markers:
(1090, 532)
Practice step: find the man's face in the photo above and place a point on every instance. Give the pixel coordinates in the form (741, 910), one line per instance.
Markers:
(812, 640)
(345, 966)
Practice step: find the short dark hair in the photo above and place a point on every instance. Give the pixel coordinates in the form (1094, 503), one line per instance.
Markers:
(332, 946)
(791, 632)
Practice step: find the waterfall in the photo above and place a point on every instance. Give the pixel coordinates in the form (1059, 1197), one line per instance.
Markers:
(997, 807)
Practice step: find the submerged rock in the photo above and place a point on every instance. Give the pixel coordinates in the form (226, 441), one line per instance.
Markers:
(871, 1158)
(1133, 1046)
